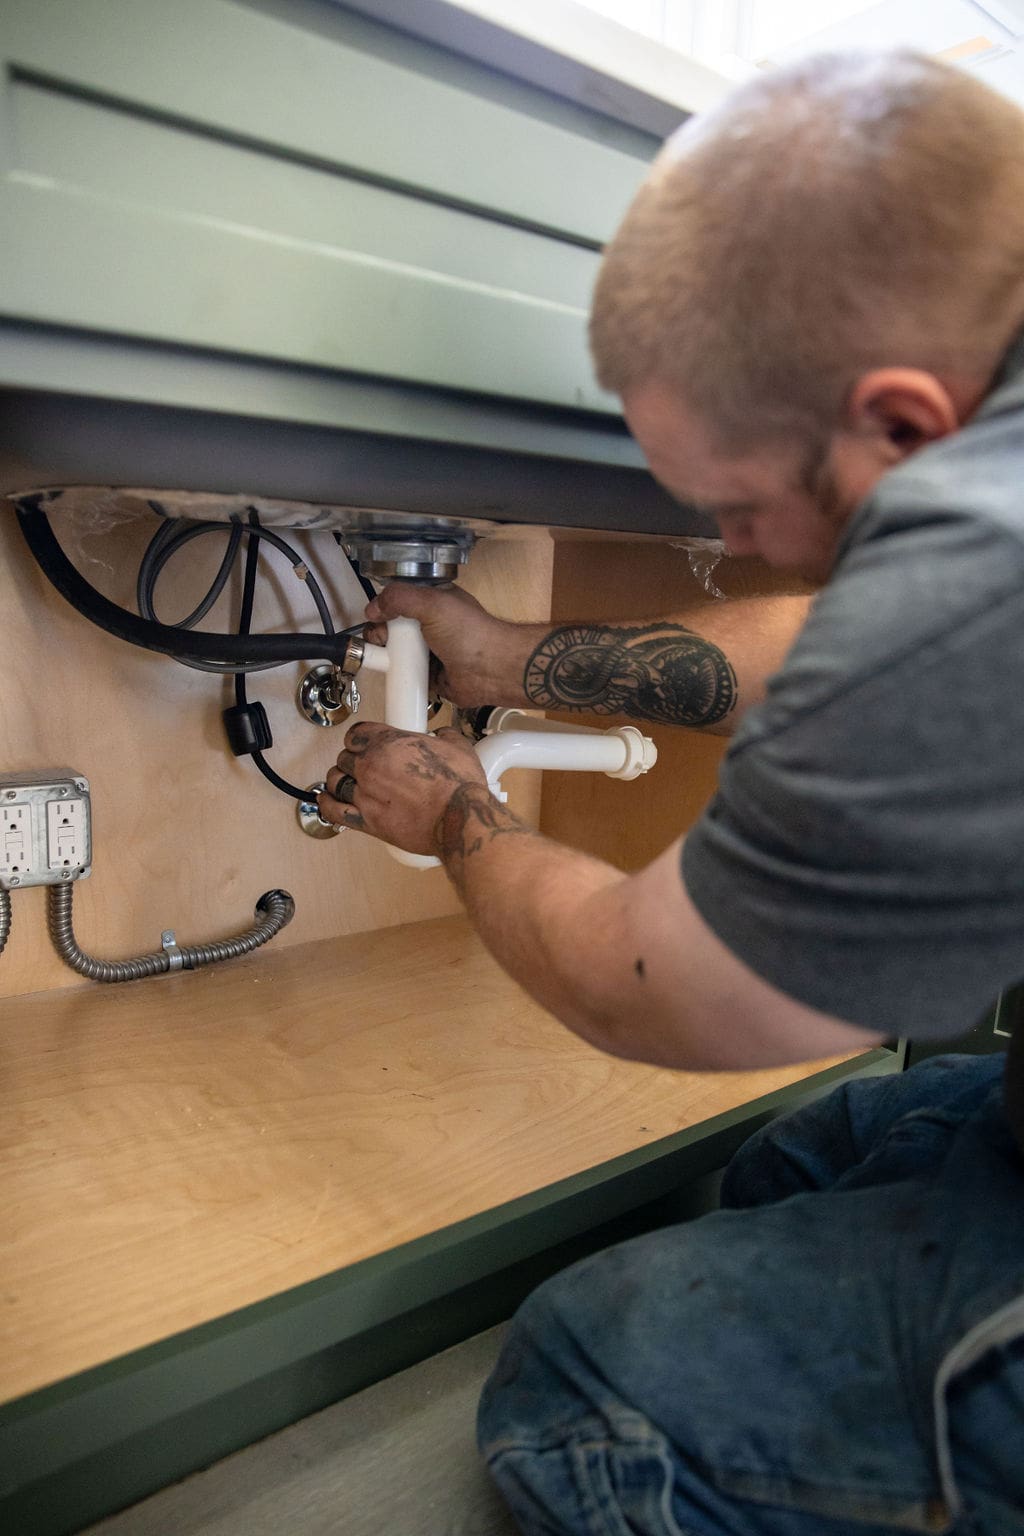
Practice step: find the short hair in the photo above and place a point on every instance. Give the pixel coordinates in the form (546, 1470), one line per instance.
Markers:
(849, 211)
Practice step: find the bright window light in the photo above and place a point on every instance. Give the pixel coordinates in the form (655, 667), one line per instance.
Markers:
(737, 37)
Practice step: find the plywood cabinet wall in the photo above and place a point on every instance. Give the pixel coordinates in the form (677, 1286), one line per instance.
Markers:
(185, 835)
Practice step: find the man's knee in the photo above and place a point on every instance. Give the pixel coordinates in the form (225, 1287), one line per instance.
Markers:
(815, 1146)
(609, 1336)
(779, 1160)
(559, 1441)
(531, 1395)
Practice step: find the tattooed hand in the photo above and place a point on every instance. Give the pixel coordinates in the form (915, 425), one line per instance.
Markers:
(477, 659)
(404, 783)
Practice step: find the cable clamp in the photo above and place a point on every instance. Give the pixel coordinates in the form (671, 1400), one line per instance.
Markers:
(169, 945)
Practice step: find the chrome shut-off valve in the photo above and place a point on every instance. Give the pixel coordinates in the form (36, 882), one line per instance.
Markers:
(328, 695)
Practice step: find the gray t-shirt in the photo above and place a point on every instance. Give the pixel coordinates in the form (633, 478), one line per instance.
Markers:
(865, 850)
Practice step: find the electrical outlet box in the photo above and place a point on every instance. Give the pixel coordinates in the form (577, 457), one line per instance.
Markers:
(45, 828)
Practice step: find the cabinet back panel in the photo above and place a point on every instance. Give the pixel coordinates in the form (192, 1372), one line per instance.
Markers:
(185, 835)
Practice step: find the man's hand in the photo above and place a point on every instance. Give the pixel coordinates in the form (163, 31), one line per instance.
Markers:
(403, 784)
(481, 659)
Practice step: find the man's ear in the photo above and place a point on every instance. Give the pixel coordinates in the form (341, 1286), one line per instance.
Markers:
(902, 409)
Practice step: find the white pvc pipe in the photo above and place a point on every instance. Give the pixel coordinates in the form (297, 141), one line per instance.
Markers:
(405, 663)
(375, 659)
(519, 720)
(537, 749)
(406, 683)
(622, 753)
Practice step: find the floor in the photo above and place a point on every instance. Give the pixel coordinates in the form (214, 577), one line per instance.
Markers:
(398, 1458)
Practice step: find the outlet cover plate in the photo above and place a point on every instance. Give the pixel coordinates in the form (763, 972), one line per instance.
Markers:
(45, 828)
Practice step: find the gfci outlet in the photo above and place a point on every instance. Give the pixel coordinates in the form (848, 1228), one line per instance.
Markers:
(17, 850)
(45, 828)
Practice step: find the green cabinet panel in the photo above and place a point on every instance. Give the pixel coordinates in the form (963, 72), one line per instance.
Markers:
(230, 176)
(317, 82)
(286, 246)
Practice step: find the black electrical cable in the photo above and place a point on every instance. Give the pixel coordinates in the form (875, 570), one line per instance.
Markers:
(229, 653)
(236, 654)
(174, 536)
(252, 560)
(165, 543)
(364, 581)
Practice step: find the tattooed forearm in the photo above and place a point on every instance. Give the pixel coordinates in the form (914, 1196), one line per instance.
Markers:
(659, 672)
(471, 820)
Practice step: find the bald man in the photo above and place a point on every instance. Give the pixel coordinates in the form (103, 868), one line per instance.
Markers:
(813, 314)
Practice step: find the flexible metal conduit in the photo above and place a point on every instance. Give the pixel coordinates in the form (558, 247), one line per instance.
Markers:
(274, 910)
(5, 918)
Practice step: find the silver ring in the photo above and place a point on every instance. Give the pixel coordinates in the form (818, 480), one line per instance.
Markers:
(346, 789)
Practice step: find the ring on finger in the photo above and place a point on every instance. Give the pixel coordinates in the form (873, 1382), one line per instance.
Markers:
(345, 789)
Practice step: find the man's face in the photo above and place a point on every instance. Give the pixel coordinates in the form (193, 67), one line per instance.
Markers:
(766, 503)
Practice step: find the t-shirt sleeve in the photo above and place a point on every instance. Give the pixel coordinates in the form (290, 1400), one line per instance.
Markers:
(865, 851)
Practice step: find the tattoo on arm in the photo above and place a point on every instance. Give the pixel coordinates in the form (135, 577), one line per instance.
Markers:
(659, 672)
(471, 820)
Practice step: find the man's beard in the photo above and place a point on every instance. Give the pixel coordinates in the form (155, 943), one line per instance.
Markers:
(817, 479)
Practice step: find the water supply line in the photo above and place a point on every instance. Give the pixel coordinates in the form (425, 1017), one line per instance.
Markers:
(512, 739)
(274, 910)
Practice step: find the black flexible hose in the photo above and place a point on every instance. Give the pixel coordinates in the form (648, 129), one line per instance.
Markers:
(232, 652)
(166, 542)
(174, 535)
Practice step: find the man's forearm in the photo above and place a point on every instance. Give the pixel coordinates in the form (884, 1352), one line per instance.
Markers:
(700, 670)
(531, 900)
(625, 961)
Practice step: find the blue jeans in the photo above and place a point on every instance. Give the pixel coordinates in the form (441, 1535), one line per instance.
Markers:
(839, 1351)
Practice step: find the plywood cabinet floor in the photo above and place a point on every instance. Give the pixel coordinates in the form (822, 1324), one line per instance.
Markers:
(173, 1150)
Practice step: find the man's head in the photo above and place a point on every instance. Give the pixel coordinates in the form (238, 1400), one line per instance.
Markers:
(819, 277)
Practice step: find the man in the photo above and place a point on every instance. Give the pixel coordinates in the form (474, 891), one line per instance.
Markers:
(812, 313)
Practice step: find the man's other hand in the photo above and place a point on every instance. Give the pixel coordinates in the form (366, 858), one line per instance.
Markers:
(397, 785)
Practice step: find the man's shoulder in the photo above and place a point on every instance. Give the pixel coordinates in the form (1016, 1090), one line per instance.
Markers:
(938, 547)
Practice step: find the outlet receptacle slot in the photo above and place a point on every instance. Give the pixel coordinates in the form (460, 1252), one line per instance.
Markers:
(66, 841)
(17, 851)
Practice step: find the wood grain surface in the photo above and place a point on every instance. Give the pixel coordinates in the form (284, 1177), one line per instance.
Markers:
(177, 1148)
